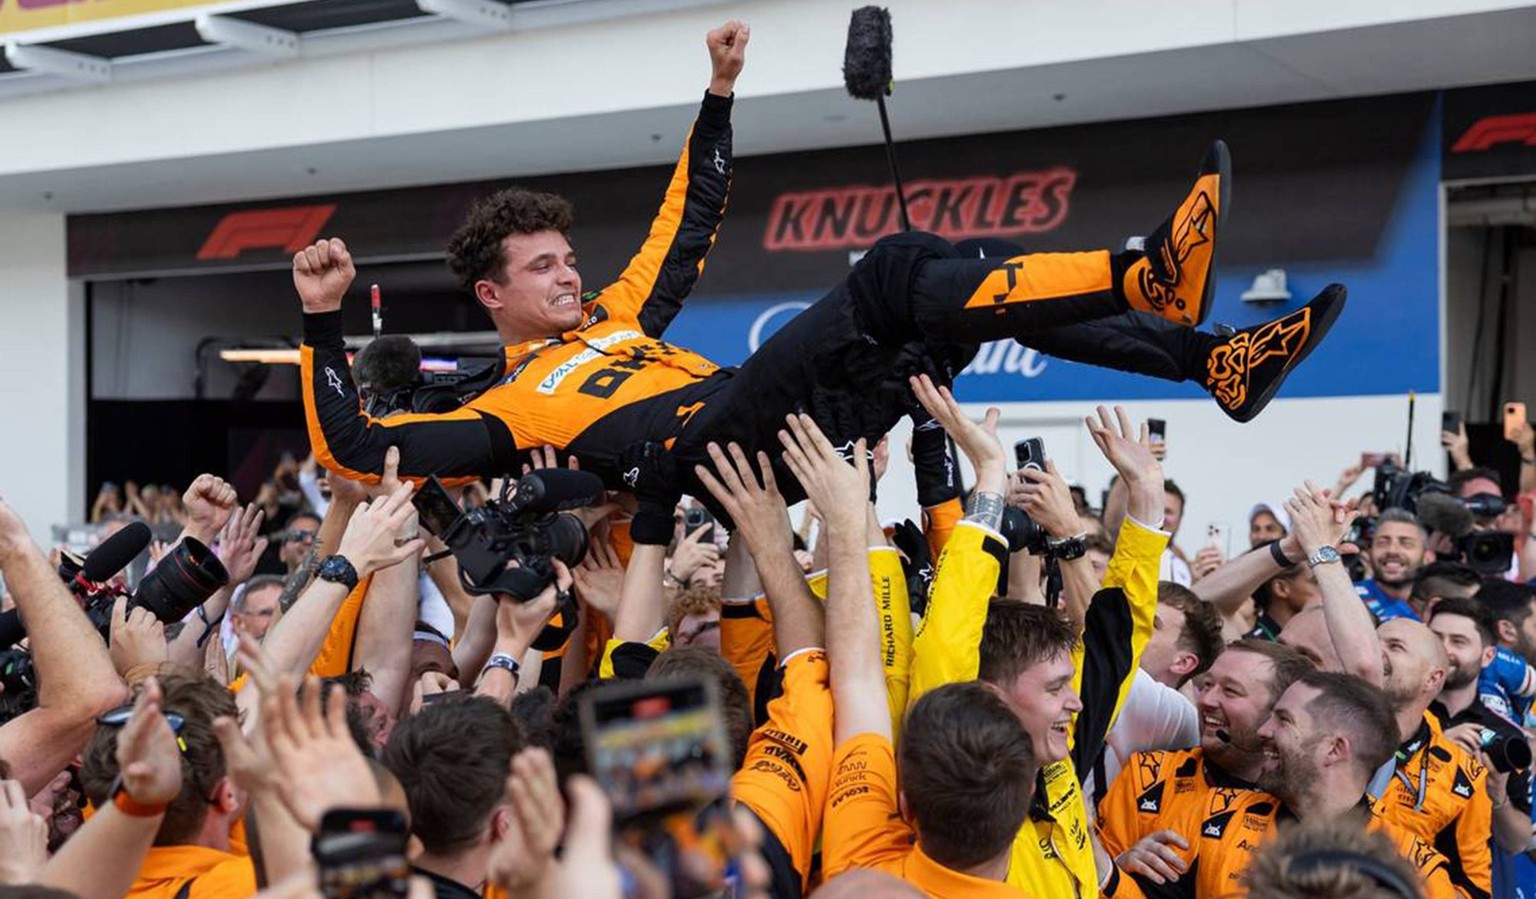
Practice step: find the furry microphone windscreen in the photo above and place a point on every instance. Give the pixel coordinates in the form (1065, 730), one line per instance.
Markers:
(1442, 514)
(389, 363)
(867, 58)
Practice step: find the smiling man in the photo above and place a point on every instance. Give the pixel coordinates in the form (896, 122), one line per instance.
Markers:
(1397, 554)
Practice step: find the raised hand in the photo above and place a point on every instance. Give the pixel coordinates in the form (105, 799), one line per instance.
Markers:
(839, 489)
(978, 440)
(137, 638)
(209, 503)
(727, 54)
(322, 272)
(692, 553)
(319, 766)
(374, 538)
(599, 578)
(241, 544)
(525, 857)
(1130, 452)
(518, 624)
(23, 836)
(14, 537)
(1153, 858)
(147, 755)
(1044, 495)
(1316, 519)
(753, 502)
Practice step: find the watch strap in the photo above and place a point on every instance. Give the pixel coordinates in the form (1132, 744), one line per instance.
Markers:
(503, 661)
(1278, 556)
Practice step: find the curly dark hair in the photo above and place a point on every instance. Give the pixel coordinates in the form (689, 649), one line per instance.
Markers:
(475, 253)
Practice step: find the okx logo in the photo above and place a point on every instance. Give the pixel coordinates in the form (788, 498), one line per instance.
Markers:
(287, 228)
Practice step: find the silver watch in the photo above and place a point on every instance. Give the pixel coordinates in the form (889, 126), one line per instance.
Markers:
(1323, 556)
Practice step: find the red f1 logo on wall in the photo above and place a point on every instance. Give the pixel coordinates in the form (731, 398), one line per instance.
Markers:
(1498, 129)
(289, 228)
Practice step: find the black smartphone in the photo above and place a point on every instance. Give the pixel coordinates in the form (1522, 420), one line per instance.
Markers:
(699, 517)
(1450, 421)
(444, 695)
(1030, 454)
(659, 750)
(361, 854)
(1157, 430)
(437, 509)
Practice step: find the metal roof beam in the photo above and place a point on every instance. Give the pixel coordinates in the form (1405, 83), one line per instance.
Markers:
(263, 40)
(63, 63)
(486, 14)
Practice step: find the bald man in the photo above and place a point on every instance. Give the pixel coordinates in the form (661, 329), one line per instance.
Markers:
(1307, 633)
(1431, 786)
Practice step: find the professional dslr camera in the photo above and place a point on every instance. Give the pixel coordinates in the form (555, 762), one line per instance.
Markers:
(507, 546)
(390, 379)
(1486, 552)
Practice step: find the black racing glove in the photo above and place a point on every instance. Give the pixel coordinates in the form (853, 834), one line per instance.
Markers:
(938, 478)
(650, 471)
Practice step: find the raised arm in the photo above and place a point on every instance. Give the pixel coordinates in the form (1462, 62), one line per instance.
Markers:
(841, 491)
(346, 440)
(75, 677)
(1044, 495)
(1316, 521)
(659, 277)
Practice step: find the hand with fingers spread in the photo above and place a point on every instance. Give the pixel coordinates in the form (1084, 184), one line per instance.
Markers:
(542, 457)
(839, 489)
(1129, 450)
(23, 836)
(241, 544)
(752, 500)
(319, 766)
(977, 440)
(1044, 495)
(372, 539)
(525, 857)
(599, 579)
(147, 754)
(1154, 858)
(586, 867)
(209, 503)
(322, 272)
(693, 552)
(137, 638)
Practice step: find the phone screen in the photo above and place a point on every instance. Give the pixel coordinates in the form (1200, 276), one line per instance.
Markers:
(658, 749)
(437, 509)
(361, 854)
(1157, 430)
(1450, 421)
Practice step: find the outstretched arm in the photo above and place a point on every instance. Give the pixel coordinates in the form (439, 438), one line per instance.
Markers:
(349, 442)
(1316, 520)
(660, 276)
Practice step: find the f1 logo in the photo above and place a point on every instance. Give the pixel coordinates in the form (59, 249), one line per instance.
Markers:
(1498, 129)
(289, 228)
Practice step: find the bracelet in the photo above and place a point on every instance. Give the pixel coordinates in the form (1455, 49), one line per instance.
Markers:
(1279, 557)
(132, 807)
(504, 662)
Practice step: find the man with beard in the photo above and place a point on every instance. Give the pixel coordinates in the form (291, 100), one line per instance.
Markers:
(1508, 683)
(1161, 799)
(1431, 786)
(1397, 553)
(1325, 738)
(1466, 631)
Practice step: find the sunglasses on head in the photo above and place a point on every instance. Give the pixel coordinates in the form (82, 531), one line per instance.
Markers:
(299, 537)
(120, 715)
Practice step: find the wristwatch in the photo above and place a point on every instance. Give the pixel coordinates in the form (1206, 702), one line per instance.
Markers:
(1068, 548)
(1323, 556)
(337, 570)
(503, 661)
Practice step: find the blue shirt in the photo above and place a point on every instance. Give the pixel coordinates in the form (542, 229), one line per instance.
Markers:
(1384, 607)
(1506, 684)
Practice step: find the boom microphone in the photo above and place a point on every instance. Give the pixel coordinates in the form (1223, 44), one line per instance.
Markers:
(559, 488)
(867, 75)
(1444, 514)
(867, 56)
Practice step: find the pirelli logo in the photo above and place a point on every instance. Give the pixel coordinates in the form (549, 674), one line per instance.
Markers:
(858, 215)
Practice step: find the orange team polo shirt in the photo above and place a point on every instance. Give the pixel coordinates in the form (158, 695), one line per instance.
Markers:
(219, 875)
(863, 828)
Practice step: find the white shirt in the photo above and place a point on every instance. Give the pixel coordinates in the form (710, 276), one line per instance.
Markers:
(1173, 568)
(1155, 717)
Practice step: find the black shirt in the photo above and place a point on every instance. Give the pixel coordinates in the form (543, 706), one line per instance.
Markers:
(1481, 715)
(443, 888)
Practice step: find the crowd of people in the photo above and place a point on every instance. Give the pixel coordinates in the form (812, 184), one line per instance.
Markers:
(666, 688)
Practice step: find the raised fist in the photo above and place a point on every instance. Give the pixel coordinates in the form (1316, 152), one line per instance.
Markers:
(322, 272)
(727, 54)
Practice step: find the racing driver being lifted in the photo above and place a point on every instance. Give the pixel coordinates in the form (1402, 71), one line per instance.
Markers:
(590, 374)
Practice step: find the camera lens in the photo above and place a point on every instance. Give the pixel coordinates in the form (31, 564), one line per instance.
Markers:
(1508, 752)
(181, 582)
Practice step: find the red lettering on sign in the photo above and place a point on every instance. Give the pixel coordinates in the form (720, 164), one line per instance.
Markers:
(858, 215)
(289, 228)
(1498, 129)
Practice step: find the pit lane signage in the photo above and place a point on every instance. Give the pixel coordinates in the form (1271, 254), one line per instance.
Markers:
(1490, 133)
(30, 15)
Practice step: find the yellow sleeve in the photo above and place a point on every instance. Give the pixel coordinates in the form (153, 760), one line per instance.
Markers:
(659, 642)
(891, 602)
(947, 647)
(1116, 630)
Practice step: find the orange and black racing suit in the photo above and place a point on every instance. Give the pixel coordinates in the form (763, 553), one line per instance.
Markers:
(911, 305)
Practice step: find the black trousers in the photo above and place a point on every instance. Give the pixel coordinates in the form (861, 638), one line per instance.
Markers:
(913, 305)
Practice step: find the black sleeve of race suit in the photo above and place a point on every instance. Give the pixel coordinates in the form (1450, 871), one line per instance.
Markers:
(462, 443)
(1107, 661)
(709, 186)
